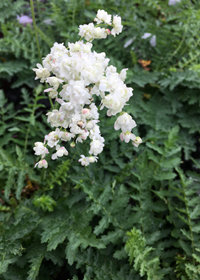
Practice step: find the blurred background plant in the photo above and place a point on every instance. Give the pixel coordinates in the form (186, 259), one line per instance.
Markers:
(70, 222)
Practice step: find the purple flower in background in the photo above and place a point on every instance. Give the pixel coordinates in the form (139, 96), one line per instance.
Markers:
(24, 20)
(173, 2)
(153, 39)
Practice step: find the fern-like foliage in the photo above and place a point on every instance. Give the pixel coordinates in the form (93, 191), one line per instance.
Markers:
(73, 221)
(188, 228)
(140, 254)
(10, 8)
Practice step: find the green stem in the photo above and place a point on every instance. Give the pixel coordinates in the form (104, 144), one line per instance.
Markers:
(35, 29)
(192, 59)
(51, 102)
(26, 139)
(29, 126)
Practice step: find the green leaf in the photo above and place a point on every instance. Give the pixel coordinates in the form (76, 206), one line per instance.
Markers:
(35, 266)
(20, 183)
(186, 233)
(19, 153)
(46, 202)
(84, 239)
(103, 224)
(55, 257)
(165, 175)
(112, 236)
(23, 119)
(171, 163)
(195, 213)
(183, 219)
(112, 168)
(58, 237)
(3, 100)
(155, 148)
(196, 229)
(5, 157)
(10, 181)
(120, 254)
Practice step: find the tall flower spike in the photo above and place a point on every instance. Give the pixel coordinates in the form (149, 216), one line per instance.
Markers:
(76, 74)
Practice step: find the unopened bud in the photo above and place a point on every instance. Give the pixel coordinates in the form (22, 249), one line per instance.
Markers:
(108, 31)
(72, 145)
(80, 123)
(137, 141)
(86, 113)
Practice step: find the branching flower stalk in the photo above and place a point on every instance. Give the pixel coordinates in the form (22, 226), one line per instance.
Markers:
(74, 75)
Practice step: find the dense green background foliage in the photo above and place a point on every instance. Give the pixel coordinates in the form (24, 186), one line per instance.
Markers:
(135, 213)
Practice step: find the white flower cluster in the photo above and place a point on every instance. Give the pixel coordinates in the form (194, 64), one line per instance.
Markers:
(76, 74)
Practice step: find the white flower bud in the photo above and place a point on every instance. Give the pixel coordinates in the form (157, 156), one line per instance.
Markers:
(72, 145)
(86, 113)
(137, 141)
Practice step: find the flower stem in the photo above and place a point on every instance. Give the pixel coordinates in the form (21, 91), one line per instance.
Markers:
(35, 30)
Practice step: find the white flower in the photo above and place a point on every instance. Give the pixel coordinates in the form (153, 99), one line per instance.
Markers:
(96, 147)
(126, 137)
(152, 40)
(114, 104)
(40, 149)
(92, 159)
(54, 82)
(95, 133)
(61, 151)
(94, 111)
(128, 43)
(103, 16)
(117, 26)
(83, 74)
(90, 32)
(82, 136)
(125, 122)
(56, 119)
(137, 141)
(52, 93)
(66, 136)
(100, 33)
(90, 125)
(146, 35)
(42, 163)
(84, 160)
(122, 74)
(52, 138)
(78, 94)
(87, 31)
(41, 73)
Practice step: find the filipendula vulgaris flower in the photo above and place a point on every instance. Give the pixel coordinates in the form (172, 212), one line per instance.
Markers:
(75, 74)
